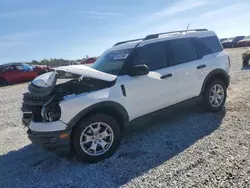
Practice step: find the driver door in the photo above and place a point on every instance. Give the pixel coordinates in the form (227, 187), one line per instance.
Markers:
(10, 74)
(154, 91)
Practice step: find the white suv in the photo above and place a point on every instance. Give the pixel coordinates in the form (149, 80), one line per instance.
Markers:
(134, 78)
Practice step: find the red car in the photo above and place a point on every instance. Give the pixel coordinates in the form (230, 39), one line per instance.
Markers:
(18, 72)
(244, 42)
(89, 61)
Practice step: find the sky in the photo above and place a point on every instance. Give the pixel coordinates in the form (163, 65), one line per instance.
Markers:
(71, 29)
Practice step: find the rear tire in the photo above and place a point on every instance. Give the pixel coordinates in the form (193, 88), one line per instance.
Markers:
(3, 82)
(96, 138)
(215, 95)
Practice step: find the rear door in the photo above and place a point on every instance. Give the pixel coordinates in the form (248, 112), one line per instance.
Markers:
(186, 58)
(148, 93)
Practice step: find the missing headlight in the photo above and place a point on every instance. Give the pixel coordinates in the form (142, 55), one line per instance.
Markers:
(51, 111)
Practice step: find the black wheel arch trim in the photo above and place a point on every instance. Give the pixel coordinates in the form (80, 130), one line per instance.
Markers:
(216, 72)
(111, 105)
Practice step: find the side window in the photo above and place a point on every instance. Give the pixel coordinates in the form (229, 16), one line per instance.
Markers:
(9, 68)
(27, 67)
(19, 67)
(153, 55)
(183, 50)
(205, 50)
(212, 43)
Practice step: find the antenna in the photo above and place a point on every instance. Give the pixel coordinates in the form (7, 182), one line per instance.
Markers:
(187, 26)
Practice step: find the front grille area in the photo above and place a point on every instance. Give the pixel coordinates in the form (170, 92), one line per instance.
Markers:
(34, 105)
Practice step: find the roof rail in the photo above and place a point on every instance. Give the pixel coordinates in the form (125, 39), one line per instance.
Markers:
(122, 42)
(153, 36)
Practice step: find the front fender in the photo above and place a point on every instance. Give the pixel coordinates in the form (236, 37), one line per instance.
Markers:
(105, 106)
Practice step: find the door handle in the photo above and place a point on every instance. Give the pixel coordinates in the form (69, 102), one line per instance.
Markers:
(201, 66)
(166, 76)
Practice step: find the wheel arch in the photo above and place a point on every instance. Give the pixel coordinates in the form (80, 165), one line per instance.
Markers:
(111, 108)
(4, 78)
(215, 74)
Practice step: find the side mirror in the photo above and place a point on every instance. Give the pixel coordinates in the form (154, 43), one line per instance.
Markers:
(138, 70)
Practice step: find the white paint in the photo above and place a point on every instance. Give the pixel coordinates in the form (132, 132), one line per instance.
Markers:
(147, 93)
(87, 71)
(47, 127)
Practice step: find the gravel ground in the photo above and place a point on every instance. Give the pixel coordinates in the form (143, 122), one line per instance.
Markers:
(189, 149)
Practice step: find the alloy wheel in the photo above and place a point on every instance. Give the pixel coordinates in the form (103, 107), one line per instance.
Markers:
(216, 95)
(96, 138)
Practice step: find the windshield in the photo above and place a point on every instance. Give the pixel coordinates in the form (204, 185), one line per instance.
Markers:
(111, 62)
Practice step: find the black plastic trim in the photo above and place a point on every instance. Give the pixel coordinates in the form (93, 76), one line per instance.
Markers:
(101, 106)
(216, 72)
(170, 109)
(201, 66)
(123, 90)
(51, 141)
(166, 76)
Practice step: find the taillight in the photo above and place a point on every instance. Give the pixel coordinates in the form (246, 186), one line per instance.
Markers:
(229, 61)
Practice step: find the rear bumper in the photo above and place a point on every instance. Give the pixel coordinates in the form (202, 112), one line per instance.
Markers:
(57, 142)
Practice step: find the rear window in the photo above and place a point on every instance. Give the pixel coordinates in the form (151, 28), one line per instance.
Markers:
(212, 43)
(183, 50)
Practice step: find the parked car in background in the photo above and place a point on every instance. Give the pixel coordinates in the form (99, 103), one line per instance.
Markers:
(223, 39)
(19, 72)
(89, 61)
(232, 42)
(244, 42)
(41, 69)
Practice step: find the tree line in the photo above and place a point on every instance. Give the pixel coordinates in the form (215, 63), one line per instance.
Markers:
(53, 62)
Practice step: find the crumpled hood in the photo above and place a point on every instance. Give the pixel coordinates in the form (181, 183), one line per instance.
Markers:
(45, 84)
(86, 71)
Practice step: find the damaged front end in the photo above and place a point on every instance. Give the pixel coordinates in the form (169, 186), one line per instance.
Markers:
(41, 103)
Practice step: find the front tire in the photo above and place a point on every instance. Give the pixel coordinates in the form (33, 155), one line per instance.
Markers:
(215, 96)
(96, 138)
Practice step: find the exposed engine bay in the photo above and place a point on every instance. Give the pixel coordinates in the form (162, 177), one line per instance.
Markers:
(41, 103)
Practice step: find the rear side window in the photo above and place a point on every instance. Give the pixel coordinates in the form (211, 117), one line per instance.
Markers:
(212, 43)
(183, 50)
(205, 50)
(153, 55)
(27, 67)
(19, 67)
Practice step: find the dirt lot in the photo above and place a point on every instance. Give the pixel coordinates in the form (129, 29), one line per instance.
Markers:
(189, 149)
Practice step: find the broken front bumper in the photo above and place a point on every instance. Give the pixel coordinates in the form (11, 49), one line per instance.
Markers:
(50, 136)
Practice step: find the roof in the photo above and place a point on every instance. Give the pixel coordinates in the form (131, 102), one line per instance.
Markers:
(9, 64)
(162, 37)
(199, 34)
(128, 45)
